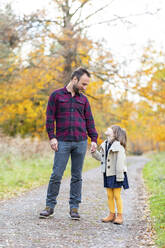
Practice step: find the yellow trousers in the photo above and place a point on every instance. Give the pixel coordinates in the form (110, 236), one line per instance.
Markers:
(114, 195)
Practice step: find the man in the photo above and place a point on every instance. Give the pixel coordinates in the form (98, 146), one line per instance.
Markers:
(70, 109)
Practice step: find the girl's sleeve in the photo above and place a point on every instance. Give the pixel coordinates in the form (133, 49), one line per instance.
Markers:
(96, 155)
(120, 166)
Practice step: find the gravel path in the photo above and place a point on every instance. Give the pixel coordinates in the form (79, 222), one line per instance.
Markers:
(21, 227)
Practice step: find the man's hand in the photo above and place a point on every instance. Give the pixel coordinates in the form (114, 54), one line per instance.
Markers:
(54, 144)
(93, 147)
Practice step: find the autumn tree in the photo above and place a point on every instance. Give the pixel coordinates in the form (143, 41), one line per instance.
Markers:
(57, 46)
(150, 82)
(9, 40)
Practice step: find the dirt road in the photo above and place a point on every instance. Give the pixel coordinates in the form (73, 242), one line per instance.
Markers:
(21, 227)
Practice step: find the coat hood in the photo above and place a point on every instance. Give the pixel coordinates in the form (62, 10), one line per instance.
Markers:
(115, 147)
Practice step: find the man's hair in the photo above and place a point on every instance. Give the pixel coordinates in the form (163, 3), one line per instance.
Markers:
(120, 135)
(79, 72)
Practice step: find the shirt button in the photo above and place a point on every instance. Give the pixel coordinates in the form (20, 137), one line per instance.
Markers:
(102, 155)
(108, 167)
(108, 160)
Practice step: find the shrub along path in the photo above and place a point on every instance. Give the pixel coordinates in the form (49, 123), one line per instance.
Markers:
(21, 227)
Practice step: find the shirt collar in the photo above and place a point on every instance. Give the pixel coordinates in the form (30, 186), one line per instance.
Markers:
(67, 92)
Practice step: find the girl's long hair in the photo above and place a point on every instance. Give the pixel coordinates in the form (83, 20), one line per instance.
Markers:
(120, 135)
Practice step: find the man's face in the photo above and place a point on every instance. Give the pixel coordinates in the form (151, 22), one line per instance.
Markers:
(81, 85)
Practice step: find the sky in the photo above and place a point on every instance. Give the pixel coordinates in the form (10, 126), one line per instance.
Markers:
(126, 41)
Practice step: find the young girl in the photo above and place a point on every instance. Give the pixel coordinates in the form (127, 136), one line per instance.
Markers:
(113, 165)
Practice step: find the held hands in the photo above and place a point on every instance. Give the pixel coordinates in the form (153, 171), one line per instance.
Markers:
(54, 144)
(93, 147)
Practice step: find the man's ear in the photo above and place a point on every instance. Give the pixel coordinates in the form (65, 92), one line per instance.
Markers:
(75, 80)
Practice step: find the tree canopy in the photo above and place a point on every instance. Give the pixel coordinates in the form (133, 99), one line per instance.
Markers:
(38, 55)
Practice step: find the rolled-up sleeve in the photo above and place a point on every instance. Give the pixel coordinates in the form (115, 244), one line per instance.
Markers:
(50, 116)
(90, 125)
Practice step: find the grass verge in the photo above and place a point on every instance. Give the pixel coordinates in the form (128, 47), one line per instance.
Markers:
(154, 176)
(19, 174)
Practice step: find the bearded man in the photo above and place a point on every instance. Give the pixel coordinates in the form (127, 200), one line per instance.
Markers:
(70, 110)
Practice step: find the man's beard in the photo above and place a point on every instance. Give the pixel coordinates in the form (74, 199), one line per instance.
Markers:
(76, 89)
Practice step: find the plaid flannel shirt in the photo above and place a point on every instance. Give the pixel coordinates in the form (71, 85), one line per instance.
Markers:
(72, 115)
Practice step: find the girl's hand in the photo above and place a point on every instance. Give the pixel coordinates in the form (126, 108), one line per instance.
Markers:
(93, 147)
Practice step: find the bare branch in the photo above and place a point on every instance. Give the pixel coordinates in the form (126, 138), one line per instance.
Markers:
(92, 14)
(119, 18)
(35, 19)
(80, 7)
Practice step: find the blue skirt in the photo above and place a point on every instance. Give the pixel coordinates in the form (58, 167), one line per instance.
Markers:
(110, 182)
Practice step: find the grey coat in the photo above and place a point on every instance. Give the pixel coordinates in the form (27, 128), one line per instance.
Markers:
(115, 163)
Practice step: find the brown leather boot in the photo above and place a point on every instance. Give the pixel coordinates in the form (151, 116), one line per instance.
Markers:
(109, 218)
(119, 219)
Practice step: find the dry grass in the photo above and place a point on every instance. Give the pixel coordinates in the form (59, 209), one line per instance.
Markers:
(25, 147)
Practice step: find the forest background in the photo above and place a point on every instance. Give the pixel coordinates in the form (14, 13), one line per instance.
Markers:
(39, 51)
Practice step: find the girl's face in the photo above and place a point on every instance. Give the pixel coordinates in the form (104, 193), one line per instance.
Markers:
(109, 133)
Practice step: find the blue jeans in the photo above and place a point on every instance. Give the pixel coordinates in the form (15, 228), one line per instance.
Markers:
(77, 151)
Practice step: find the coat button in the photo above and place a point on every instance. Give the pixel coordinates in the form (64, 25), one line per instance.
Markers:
(101, 162)
(108, 167)
(108, 160)
(102, 155)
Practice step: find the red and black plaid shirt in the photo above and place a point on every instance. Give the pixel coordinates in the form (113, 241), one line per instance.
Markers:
(72, 115)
